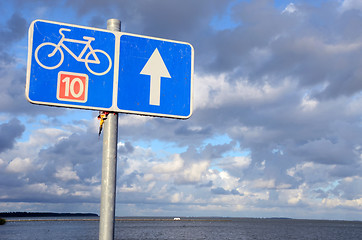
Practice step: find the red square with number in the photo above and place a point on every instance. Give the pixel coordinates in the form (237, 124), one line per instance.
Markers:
(72, 87)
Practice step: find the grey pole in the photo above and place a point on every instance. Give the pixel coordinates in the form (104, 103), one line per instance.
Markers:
(109, 166)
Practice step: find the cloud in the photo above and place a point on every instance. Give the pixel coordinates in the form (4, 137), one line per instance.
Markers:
(327, 152)
(172, 19)
(12, 68)
(291, 8)
(235, 165)
(351, 4)
(9, 132)
(66, 174)
(276, 122)
(289, 46)
(14, 30)
(19, 165)
(169, 167)
(192, 173)
(222, 191)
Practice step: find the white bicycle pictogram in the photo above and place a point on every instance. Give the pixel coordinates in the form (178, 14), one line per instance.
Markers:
(54, 48)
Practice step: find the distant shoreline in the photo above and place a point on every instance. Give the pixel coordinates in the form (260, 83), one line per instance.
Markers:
(52, 216)
(44, 214)
(118, 220)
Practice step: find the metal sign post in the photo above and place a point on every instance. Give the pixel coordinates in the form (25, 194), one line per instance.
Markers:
(107, 70)
(109, 166)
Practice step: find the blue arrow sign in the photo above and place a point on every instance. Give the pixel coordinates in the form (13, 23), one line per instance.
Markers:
(155, 76)
(81, 67)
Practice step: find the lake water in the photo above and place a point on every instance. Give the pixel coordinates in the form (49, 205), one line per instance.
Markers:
(187, 228)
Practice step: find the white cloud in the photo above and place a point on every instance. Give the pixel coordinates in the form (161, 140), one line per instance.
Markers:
(263, 183)
(291, 8)
(215, 91)
(169, 167)
(139, 160)
(20, 165)
(93, 180)
(353, 106)
(179, 170)
(129, 188)
(351, 4)
(39, 139)
(193, 173)
(224, 180)
(66, 173)
(38, 188)
(175, 198)
(239, 162)
(81, 193)
(60, 191)
(131, 120)
(308, 104)
(333, 203)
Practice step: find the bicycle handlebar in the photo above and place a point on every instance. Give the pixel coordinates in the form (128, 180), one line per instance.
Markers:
(63, 29)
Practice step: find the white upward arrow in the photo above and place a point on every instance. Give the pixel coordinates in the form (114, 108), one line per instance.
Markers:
(155, 68)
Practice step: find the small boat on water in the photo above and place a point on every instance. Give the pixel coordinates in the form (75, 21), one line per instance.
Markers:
(176, 219)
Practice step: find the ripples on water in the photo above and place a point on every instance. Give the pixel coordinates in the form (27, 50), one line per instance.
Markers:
(187, 228)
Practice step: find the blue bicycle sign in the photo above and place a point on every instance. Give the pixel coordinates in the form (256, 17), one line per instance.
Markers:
(70, 66)
(55, 54)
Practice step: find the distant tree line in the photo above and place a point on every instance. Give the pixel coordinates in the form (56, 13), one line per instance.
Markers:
(45, 214)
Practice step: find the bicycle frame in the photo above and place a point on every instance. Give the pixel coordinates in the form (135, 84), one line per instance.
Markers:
(78, 58)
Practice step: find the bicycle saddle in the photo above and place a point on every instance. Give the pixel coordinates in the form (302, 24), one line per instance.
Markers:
(88, 38)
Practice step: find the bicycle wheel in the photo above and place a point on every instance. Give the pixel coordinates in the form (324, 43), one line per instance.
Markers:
(100, 68)
(49, 59)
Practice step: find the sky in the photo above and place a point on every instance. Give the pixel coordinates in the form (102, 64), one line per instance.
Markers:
(276, 125)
